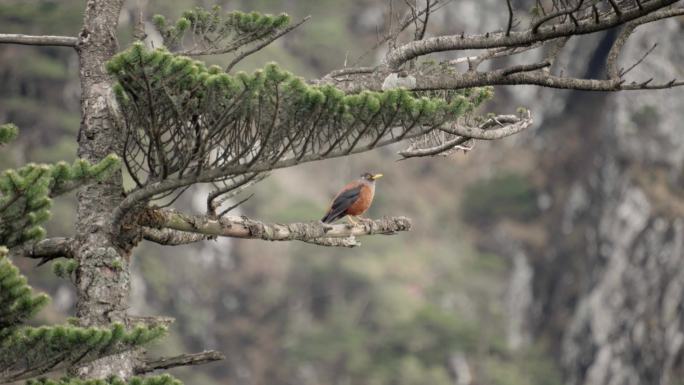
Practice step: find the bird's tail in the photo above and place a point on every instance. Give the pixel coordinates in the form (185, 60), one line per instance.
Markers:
(330, 217)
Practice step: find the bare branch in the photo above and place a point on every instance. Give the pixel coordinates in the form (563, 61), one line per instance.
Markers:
(493, 128)
(525, 68)
(150, 365)
(168, 237)
(554, 15)
(510, 17)
(644, 56)
(243, 227)
(432, 151)
(219, 196)
(614, 53)
(44, 40)
(447, 80)
(46, 250)
(405, 24)
(499, 39)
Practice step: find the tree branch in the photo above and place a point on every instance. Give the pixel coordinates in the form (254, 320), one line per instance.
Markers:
(507, 125)
(46, 250)
(168, 237)
(65, 41)
(499, 39)
(150, 365)
(243, 227)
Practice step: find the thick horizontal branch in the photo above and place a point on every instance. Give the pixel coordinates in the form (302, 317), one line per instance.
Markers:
(65, 41)
(168, 237)
(494, 40)
(243, 227)
(150, 365)
(46, 250)
(450, 81)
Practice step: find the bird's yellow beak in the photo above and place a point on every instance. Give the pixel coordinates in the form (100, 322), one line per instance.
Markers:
(377, 176)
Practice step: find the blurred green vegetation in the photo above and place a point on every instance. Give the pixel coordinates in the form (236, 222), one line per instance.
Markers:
(507, 195)
(394, 311)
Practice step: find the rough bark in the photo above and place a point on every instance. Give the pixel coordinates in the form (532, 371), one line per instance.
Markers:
(342, 235)
(102, 288)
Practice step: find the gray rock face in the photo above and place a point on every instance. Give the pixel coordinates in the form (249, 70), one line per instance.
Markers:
(608, 287)
(626, 233)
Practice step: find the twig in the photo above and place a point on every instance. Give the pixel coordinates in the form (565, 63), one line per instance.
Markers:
(510, 17)
(554, 15)
(625, 72)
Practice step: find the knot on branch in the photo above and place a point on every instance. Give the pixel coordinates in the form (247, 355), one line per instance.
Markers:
(151, 217)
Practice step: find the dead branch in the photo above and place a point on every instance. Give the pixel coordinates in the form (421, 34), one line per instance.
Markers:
(46, 250)
(432, 151)
(44, 40)
(149, 365)
(169, 237)
(219, 196)
(551, 16)
(493, 128)
(415, 49)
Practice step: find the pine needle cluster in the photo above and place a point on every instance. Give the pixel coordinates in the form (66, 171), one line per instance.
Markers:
(213, 31)
(31, 351)
(183, 118)
(25, 200)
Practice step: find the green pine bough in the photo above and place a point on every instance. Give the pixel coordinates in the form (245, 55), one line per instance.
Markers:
(222, 32)
(182, 117)
(32, 351)
(25, 192)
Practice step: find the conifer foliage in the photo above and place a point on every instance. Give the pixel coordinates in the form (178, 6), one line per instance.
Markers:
(30, 351)
(25, 192)
(184, 120)
(214, 32)
(24, 205)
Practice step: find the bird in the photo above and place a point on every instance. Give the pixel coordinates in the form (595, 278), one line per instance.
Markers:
(353, 200)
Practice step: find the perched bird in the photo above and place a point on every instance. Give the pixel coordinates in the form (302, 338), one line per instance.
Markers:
(353, 200)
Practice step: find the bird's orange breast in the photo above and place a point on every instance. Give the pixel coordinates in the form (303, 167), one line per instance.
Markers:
(363, 202)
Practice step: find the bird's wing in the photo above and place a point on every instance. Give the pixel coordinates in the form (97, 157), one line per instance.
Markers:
(341, 203)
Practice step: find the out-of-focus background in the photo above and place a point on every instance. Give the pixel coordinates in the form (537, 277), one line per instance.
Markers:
(554, 256)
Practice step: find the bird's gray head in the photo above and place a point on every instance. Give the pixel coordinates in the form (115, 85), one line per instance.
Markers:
(370, 178)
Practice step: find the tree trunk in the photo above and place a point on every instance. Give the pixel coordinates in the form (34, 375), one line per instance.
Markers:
(103, 280)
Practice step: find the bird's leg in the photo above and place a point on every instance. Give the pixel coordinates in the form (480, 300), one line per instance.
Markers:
(351, 220)
(364, 219)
